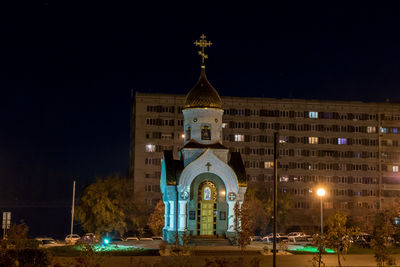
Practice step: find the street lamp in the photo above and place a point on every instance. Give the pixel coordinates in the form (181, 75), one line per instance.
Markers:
(321, 194)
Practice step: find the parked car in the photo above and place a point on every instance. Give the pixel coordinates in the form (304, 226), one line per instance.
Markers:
(277, 235)
(132, 238)
(47, 242)
(363, 240)
(296, 234)
(256, 238)
(146, 239)
(72, 239)
(157, 237)
(299, 240)
(89, 238)
(267, 239)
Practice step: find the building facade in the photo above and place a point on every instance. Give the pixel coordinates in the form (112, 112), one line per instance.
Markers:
(349, 148)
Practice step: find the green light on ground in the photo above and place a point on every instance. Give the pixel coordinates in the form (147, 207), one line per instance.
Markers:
(311, 249)
(102, 248)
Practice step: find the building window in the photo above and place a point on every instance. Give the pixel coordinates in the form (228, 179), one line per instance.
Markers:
(371, 129)
(395, 130)
(150, 148)
(342, 141)
(205, 132)
(313, 140)
(268, 164)
(283, 139)
(384, 130)
(239, 137)
(395, 168)
(313, 115)
(225, 125)
(188, 133)
(167, 136)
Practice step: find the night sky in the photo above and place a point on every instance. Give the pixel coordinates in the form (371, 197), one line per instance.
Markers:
(68, 70)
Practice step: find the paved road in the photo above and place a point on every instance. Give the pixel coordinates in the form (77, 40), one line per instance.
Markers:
(197, 261)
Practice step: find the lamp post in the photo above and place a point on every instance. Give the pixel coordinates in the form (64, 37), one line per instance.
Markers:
(321, 194)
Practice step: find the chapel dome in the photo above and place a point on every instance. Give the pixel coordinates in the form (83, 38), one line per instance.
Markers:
(203, 95)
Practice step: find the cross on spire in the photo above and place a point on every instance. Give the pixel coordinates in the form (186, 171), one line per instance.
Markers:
(203, 43)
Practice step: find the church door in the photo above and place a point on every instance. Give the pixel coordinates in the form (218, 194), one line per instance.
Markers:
(207, 206)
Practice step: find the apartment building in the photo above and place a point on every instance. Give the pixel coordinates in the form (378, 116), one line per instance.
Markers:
(349, 148)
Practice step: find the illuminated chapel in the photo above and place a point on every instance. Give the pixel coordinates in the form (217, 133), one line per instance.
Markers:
(200, 188)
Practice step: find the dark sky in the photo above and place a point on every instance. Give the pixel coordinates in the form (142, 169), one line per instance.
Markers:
(67, 69)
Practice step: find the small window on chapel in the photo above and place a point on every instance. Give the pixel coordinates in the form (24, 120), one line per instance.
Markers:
(207, 193)
(188, 133)
(205, 132)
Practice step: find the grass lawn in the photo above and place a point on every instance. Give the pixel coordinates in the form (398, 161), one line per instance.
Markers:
(353, 250)
(109, 250)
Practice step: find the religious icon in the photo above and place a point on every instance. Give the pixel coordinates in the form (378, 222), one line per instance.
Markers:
(207, 193)
(205, 133)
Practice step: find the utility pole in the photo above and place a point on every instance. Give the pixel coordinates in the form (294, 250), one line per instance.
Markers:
(73, 209)
(275, 197)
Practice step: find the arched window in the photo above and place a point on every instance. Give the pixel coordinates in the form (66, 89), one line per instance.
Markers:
(188, 133)
(205, 132)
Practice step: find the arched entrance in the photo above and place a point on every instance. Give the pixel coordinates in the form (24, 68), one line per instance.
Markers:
(207, 209)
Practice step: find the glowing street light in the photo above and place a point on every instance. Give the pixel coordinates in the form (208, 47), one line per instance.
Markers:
(321, 192)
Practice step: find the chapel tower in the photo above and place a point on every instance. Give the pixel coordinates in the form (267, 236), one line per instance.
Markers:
(201, 188)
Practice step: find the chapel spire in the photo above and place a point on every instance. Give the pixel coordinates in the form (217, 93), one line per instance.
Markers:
(202, 43)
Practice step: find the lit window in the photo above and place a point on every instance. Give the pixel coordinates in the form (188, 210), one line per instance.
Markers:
(395, 130)
(268, 164)
(313, 115)
(283, 139)
(224, 125)
(313, 140)
(342, 141)
(395, 168)
(239, 137)
(150, 148)
(283, 178)
(205, 132)
(383, 130)
(371, 129)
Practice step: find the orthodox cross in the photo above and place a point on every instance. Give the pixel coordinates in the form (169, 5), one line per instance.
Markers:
(208, 166)
(203, 43)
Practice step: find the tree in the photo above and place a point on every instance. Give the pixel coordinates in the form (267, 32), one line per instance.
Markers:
(260, 201)
(156, 219)
(242, 224)
(339, 235)
(381, 243)
(106, 206)
(18, 231)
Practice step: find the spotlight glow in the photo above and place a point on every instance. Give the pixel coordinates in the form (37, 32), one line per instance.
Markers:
(321, 192)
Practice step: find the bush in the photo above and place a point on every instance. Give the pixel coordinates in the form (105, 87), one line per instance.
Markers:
(24, 257)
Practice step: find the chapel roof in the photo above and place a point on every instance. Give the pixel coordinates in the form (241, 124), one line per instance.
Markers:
(172, 167)
(203, 95)
(194, 144)
(236, 164)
